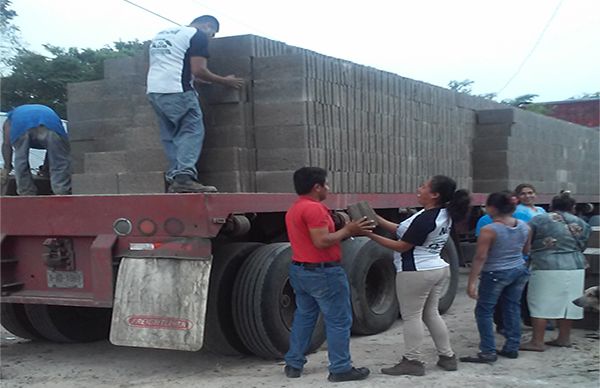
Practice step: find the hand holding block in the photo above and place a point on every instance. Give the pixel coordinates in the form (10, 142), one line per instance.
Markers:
(360, 210)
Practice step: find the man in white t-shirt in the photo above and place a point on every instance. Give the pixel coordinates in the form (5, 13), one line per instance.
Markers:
(178, 57)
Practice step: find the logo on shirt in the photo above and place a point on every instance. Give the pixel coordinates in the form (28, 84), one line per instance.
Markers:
(161, 46)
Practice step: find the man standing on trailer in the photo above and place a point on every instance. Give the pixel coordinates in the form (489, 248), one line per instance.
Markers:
(320, 283)
(37, 126)
(178, 57)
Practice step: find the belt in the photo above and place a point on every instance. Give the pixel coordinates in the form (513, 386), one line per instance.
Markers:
(324, 264)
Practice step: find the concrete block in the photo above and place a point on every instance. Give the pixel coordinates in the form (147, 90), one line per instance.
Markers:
(230, 181)
(141, 182)
(280, 67)
(240, 66)
(506, 129)
(490, 143)
(274, 182)
(275, 159)
(226, 115)
(490, 186)
(286, 89)
(145, 160)
(227, 159)
(282, 136)
(219, 94)
(285, 113)
(229, 136)
(105, 162)
(105, 183)
(496, 116)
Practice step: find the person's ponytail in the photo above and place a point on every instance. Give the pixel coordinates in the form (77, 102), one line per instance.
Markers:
(455, 201)
(458, 207)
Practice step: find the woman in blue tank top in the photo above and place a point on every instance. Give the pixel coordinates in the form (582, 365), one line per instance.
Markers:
(502, 273)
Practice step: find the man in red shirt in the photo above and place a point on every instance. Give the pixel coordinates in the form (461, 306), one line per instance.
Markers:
(319, 281)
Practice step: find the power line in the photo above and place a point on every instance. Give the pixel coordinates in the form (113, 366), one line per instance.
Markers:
(153, 13)
(539, 39)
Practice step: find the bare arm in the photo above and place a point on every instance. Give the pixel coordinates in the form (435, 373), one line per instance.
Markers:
(322, 238)
(386, 225)
(527, 246)
(395, 245)
(200, 71)
(7, 150)
(484, 242)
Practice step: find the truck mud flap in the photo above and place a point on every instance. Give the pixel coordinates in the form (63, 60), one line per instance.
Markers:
(160, 303)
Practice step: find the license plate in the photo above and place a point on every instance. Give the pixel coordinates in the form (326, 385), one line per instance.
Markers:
(65, 279)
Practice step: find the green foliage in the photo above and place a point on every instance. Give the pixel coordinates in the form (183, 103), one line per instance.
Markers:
(521, 100)
(464, 86)
(43, 80)
(585, 96)
(9, 35)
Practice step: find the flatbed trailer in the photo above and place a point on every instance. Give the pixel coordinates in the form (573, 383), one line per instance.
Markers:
(181, 271)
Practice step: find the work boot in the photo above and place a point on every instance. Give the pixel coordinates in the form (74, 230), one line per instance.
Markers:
(351, 375)
(292, 372)
(448, 363)
(406, 367)
(185, 184)
(480, 358)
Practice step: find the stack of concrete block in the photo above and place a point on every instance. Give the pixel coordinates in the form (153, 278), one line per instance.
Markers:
(373, 131)
(513, 146)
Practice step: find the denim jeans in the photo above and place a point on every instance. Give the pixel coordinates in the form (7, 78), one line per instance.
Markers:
(58, 152)
(181, 130)
(326, 290)
(507, 286)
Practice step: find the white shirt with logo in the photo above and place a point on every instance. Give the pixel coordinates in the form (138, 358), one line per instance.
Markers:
(428, 231)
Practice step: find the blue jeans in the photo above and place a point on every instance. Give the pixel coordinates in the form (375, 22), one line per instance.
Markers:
(326, 290)
(181, 130)
(507, 286)
(58, 152)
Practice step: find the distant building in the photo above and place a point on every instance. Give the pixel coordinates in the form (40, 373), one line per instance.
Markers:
(583, 112)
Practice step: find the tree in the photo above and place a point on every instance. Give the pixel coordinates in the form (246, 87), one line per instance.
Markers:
(464, 86)
(43, 80)
(585, 96)
(10, 39)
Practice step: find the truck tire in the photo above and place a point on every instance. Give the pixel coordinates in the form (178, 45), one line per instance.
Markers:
(69, 323)
(264, 303)
(450, 255)
(14, 319)
(372, 278)
(220, 335)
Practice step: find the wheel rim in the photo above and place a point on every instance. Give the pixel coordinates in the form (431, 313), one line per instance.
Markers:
(379, 292)
(287, 304)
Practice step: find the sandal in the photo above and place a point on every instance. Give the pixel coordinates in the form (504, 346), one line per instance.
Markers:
(528, 347)
(558, 344)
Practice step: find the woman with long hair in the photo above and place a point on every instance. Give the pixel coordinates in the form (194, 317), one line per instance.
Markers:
(421, 271)
(502, 273)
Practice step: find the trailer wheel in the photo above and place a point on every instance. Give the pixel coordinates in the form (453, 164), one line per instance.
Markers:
(372, 277)
(69, 323)
(220, 335)
(264, 303)
(14, 319)
(450, 255)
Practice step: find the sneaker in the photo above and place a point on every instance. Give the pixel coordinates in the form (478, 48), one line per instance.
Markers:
(406, 367)
(351, 375)
(291, 372)
(481, 358)
(448, 363)
(186, 184)
(506, 354)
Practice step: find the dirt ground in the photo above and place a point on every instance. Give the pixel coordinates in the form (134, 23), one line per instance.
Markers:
(31, 364)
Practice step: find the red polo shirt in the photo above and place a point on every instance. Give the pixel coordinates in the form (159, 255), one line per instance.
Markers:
(305, 214)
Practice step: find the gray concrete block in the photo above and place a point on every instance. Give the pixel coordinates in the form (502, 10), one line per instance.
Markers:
(230, 181)
(141, 182)
(280, 67)
(232, 46)
(219, 94)
(275, 159)
(285, 113)
(274, 182)
(105, 162)
(283, 90)
(226, 115)
(491, 143)
(145, 160)
(105, 183)
(227, 159)
(496, 116)
(229, 136)
(284, 136)
(240, 66)
(506, 129)
(490, 186)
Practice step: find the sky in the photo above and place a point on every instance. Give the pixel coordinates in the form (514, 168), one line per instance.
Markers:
(510, 47)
